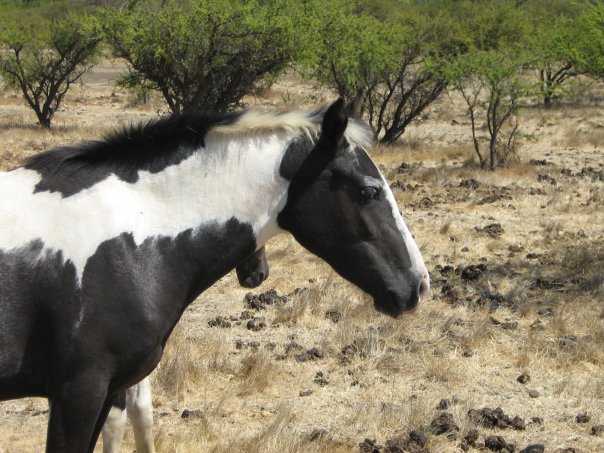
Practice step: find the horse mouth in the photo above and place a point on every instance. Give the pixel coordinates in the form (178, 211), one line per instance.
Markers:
(391, 304)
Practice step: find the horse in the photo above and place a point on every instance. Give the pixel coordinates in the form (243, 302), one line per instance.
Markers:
(104, 244)
(135, 403)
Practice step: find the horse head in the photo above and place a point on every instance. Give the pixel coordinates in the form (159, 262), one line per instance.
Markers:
(254, 270)
(340, 208)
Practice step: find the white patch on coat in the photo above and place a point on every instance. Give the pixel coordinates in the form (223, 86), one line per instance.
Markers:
(139, 407)
(231, 177)
(417, 261)
(113, 430)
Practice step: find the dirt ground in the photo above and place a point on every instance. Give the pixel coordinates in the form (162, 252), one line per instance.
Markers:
(506, 352)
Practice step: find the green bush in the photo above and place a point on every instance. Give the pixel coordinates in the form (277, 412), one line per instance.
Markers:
(203, 54)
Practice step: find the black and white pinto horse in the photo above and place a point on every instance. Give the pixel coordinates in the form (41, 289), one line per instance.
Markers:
(135, 403)
(103, 245)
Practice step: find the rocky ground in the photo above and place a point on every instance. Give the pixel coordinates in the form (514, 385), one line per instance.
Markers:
(505, 355)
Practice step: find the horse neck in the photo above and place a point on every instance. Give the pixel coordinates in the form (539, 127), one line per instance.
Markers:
(230, 178)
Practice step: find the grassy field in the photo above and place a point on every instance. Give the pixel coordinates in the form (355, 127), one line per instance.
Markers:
(514, 320)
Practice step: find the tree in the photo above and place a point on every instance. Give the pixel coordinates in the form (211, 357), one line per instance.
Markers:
(387, 65)
(491, 84)
(489, 76)
(45, 59)
(203, 54)
(590, 45)
(552, 39)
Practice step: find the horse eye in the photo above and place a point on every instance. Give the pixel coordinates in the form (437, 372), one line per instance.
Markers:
(369, 193)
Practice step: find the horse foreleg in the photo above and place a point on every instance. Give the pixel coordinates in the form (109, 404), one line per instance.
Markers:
(140, 412)
(75, 409)
(115, 425)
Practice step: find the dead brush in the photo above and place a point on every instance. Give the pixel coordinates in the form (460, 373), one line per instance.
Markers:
(195, 435)
(551, 229)
(188, 360)
(275, 437)
(255, 373)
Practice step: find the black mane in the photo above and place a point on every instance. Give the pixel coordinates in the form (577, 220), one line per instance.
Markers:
(150, 146)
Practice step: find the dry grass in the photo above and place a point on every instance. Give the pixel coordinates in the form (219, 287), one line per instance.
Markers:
(379, 378)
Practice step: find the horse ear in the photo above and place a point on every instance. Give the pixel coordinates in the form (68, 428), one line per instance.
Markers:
(353, 108)
(334, 124)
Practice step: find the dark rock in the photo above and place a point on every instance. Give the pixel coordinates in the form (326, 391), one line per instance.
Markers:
(546, 178)
(492, 300)
(533, 393)
(471, 438)
(546, 311)
(334, 315)
(534, 448)
(260, 301)
(320, 379)
(515, 248)
(317, 434)
(246, 315)
(293, 346)
(495, 418)
(524, 378)
(256, 324)
(469, 184)
(597, 430)
(444, 424)
(567, 341)
(583, 418)
(219, 321)
(315, 353)
(301, 357)
(443, 404)
(369, 446)
(538, 162)
(537, 420)
(418, 437)
(494, 197)
(404, 167)
(197, 413)
(465, 249)
(504, 325)
(473, 271)
(498, 443)
(493, 229)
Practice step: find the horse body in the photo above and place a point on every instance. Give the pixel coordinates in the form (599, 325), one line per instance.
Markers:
(102, 247)
(136, 403)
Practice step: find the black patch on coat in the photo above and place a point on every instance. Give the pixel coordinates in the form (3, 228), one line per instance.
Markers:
(296, 153)
(117, 322)
(151, 146)
(119, 401)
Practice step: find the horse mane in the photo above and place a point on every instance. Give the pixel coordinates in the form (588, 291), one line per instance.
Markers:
(159, 143)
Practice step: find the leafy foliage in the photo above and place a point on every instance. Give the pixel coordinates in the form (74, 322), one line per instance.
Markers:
(204, 54)
(390, 66)
(490, 79)
(44, 59)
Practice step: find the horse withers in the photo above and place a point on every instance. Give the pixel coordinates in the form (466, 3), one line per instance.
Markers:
(135, 403)
(129, 230)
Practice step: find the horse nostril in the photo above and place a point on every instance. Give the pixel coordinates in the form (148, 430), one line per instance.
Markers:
(424, 286)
